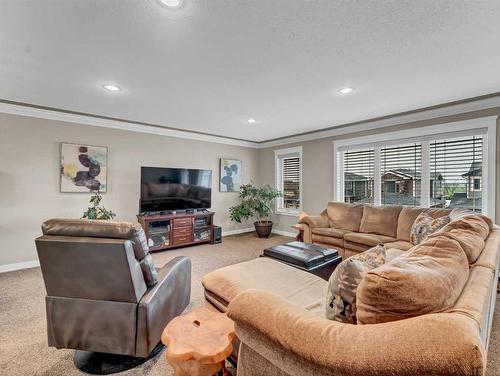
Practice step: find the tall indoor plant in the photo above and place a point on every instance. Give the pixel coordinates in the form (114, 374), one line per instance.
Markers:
(256, 202)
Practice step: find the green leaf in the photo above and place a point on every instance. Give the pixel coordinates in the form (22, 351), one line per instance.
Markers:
(255, 202)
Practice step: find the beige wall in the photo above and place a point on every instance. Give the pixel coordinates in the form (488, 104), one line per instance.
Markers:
(318, 164)
(29, 175)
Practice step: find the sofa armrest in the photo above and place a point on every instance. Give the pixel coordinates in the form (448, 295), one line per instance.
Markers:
(314, 221)
(444, 343)
(162, 302)
(310, 222)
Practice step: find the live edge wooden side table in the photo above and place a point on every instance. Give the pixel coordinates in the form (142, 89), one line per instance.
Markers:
(199, 342)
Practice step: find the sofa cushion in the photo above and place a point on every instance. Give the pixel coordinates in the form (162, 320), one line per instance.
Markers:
(429, 278)
(331, 240)
(367, 239)
(425, 225)
(344, 281)
(344, 216)
(382, 220)
(399, 244)
(409, 214)
(471, 232)
(330, 231)
(355, 247)
(298, 287)
(405, 221)
(392, 253)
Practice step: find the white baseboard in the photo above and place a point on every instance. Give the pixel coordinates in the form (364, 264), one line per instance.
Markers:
(285, 233)
(237, 231)
(19, 266)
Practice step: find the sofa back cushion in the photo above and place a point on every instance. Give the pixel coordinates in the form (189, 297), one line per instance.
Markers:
(344, 216)
(409, 214)
(382, 220)
(428, 278)
(471, 232)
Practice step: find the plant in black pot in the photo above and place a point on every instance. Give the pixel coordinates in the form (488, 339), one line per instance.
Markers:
(256, 202)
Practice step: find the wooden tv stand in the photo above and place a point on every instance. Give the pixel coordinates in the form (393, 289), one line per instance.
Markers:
(177, 230)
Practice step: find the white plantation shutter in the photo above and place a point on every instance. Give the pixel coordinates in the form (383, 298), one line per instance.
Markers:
(358, 176)
(289, 179)
(441, 170)
(401, 174)
(457, 165)
(291, 183)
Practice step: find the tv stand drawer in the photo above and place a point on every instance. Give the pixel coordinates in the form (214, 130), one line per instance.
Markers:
(181, 239)
(182, 231)
(182, 222)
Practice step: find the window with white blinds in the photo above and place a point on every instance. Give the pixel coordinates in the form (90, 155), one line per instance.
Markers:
(289, 180)
(358, 176)
(401, 174)
(436, 169)
(456, 169)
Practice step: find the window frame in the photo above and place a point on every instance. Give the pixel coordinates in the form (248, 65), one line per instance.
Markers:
(278, 156)
(485, 126)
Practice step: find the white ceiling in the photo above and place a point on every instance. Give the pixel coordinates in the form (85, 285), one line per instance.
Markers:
(212, 64)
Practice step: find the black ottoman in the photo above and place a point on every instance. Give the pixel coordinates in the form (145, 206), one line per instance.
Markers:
(320, 261)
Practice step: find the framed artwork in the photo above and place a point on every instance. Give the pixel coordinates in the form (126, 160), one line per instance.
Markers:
(83, 168)
(230, 175)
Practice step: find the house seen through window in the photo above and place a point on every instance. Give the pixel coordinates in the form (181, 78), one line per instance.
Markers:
(393, 174)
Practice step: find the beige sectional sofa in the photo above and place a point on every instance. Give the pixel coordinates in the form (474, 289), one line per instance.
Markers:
(279, 311)
(354, 228)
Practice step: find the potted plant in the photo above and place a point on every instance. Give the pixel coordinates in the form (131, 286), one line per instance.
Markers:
(97, 212)
(256, 202)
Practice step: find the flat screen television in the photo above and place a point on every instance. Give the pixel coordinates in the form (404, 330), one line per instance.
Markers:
(175, 189)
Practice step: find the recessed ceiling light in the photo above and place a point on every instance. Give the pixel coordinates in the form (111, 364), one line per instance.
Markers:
(251, 121)
(171, 3)
(346, 90)
(111, 87)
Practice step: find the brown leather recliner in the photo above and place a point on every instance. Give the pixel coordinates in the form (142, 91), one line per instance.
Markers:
(103, 293)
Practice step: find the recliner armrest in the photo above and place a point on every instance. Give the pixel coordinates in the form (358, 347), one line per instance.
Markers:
(280, 332)
(162, 302)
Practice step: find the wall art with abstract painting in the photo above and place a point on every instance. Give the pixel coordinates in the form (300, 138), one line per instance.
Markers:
(230, 175)
(83, 168)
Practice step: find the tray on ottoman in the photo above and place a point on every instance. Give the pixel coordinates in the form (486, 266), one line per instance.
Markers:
(311, 258)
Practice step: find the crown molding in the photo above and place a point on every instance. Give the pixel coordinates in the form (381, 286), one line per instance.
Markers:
(448, 109)
(455, 108)
(96, 121)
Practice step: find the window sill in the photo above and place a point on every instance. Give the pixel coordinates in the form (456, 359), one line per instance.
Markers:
(294, 213)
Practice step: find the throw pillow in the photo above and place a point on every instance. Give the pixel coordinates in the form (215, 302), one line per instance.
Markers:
(344, 281)
(425, 225)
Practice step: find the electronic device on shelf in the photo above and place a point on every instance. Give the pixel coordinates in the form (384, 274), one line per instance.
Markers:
(200, 222)
(217, 235)
(158, 234)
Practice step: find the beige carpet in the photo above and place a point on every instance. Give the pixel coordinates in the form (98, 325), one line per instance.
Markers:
(23, 343)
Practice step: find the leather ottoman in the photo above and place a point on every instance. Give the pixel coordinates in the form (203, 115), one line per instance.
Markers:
(315, 259)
